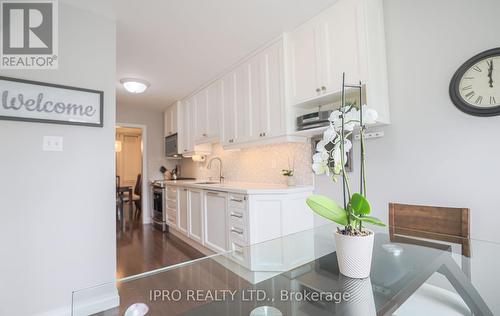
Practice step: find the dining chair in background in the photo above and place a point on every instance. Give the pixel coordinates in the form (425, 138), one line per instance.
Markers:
(425, 225)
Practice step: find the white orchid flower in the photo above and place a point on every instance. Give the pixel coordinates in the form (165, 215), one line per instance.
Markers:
(320, 156)
(329, 134)
(320, 168)
(320, 147)
(335, 116)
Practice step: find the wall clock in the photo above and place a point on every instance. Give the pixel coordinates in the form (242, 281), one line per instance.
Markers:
(475, 87)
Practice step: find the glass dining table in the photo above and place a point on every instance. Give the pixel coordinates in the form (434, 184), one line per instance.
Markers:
(299, 275)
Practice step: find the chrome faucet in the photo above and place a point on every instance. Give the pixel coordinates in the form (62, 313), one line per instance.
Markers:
(209, 166)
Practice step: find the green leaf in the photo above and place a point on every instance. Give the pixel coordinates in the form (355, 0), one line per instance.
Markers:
(372, 220)
(360, 204)
(327, 208)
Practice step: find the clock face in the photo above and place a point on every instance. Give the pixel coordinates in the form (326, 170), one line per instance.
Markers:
(475, 87)
(480, 84)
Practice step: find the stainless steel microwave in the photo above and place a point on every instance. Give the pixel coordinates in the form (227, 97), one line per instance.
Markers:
(171, 150)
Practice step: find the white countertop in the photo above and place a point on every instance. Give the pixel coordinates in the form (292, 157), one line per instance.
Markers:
(242, 187)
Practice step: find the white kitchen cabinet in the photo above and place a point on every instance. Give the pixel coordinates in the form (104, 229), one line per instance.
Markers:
(242, 103)
(171, 206)
(200, 116)
(269, 119)
(214, 103)
(253, 98)
(171, 119)
(186, 131)
(228, 114)
(343, 35)
(207, 113)
(304, 67)
(346, 38)
(195, 197)
(215, 214)
(183, 210)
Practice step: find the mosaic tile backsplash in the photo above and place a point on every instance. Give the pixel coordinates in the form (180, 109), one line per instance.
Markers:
(258, 164)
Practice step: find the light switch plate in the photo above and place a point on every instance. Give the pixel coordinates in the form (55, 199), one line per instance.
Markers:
(52, 143)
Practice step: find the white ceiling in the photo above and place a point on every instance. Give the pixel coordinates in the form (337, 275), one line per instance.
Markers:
(180, 45)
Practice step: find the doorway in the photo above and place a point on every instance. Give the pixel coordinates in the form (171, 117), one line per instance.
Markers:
(131, 170)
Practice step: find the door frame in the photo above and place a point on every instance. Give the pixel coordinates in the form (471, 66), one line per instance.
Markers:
(146, 218)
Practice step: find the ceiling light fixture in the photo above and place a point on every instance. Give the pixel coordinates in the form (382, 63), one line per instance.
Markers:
(133, 85)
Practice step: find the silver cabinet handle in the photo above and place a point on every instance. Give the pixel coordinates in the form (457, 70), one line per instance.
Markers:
(213, 193)
(318, 90)
(236, 200)
(323, 88)
(264, 134)
(204, 135)
(237, 231)
(238, 215)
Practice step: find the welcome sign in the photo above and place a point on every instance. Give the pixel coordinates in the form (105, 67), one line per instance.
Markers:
(23, 100)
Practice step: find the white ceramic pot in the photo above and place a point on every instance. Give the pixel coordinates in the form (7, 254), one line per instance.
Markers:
(354, 254)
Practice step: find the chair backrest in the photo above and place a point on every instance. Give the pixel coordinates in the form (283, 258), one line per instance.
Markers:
(138, 185)
(430, 222)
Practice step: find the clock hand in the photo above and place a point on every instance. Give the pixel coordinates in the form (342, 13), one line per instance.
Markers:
(490, 72)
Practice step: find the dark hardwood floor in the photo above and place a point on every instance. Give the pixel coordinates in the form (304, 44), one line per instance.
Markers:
(143, 248)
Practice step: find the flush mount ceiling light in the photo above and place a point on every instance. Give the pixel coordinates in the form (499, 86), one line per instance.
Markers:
(134, 85)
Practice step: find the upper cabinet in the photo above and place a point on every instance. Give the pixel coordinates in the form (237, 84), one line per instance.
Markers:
(186, 131)
(207, 105)
(253, 100)
(171, 119)
(346, 38)
(258, 100)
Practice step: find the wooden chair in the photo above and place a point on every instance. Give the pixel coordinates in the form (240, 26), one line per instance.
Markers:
(446, 224)
(430, 222)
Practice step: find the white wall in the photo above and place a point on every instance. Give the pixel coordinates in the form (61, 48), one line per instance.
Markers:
(155, 152)
(432, 153)
(57, 228)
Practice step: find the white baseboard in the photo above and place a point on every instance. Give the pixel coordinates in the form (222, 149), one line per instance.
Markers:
(95, 300)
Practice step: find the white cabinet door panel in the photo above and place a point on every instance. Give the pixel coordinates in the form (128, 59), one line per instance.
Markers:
(195, 215)
(342, 35)
(183, 214)
(242, 99)
(200, 116)
(304, 57)
(272, 112)
(228, 109)
(214, 110)
(216, 221)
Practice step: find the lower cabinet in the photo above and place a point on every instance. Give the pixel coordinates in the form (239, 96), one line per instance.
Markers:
(215, 216)
(196, 215)
(182, 210)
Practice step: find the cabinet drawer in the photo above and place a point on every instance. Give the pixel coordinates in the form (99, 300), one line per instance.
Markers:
(172, 193)
(172, 216)
(237, 233)
(237, 201)
(239, 253)
(237, 216)
(172, 204)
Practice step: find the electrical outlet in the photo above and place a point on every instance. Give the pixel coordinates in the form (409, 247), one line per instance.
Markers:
(370, 135)
(52, 143)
